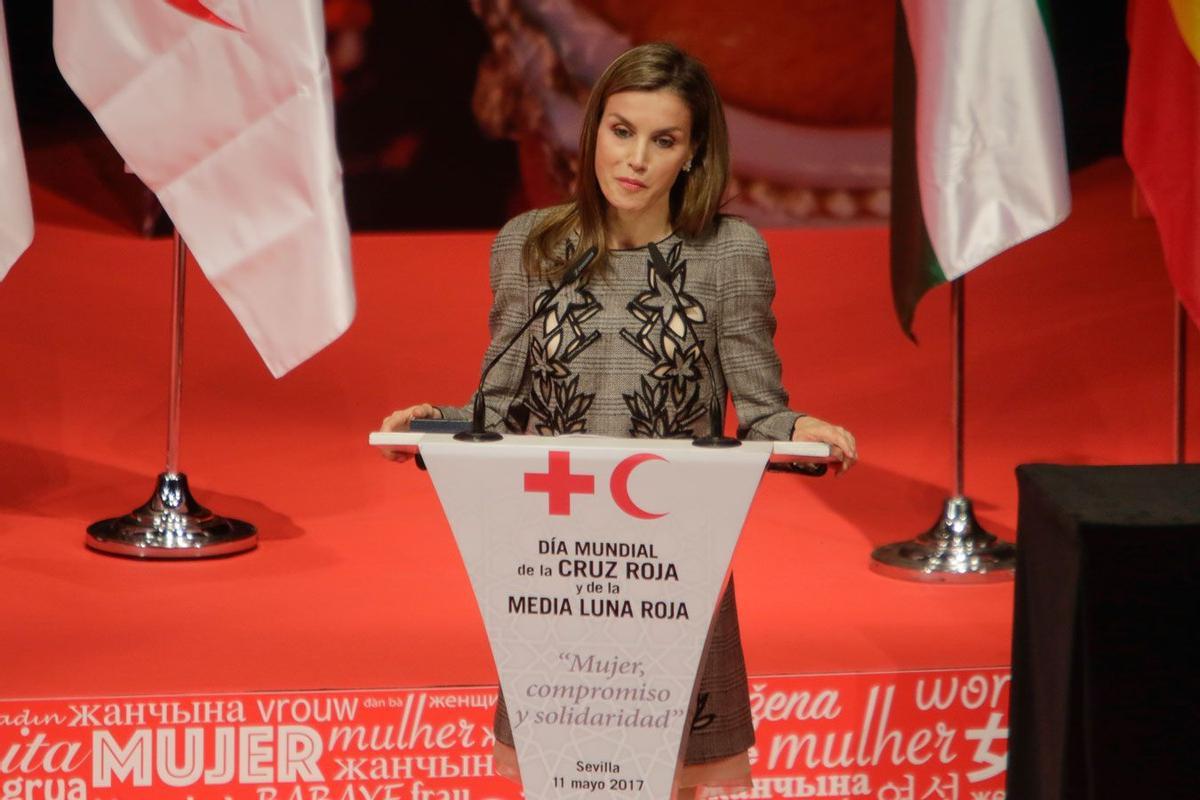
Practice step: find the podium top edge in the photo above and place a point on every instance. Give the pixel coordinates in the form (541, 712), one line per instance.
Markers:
(406, 439)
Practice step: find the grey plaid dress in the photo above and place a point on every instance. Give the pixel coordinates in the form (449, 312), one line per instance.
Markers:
(614, 358)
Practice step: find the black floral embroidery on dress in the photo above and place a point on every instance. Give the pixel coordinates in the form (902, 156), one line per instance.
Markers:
(667, 402)
(555, 404)
(701, 720)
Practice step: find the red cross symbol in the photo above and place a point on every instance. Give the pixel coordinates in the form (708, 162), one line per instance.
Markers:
(559, 484)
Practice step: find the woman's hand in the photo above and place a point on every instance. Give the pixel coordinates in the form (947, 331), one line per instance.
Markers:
(401, 421)
(840, 440)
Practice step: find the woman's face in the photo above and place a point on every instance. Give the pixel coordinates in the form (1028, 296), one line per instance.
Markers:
(642, 144)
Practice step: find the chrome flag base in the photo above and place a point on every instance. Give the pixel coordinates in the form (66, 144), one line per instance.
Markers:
(955, 550)
(171, 525)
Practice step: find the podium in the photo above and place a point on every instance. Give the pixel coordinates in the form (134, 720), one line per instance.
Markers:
(597, 564)
(1105, 598)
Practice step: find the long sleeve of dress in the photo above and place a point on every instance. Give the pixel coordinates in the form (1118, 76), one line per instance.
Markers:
(510, 309)
(746, 339)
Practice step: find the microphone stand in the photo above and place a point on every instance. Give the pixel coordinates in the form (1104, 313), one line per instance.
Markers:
(716, 406)
(477, 432)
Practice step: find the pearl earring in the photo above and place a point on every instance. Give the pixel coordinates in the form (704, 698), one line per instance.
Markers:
(688, 166)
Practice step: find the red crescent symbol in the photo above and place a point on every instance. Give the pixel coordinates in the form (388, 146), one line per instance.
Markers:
(198, 10)
(619, 484)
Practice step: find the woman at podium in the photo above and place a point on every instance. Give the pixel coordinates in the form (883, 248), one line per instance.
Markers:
(673, 312)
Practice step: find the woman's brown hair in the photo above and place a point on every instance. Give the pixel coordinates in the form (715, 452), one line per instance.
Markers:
(696, 196)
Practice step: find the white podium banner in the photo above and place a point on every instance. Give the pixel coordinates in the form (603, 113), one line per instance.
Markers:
(597, 564)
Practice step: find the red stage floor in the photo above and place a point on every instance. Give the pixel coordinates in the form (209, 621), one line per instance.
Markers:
(357, 583)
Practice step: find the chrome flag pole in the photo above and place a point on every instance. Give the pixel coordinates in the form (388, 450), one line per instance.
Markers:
(956, 549)
(171, 524)
(1181, 337)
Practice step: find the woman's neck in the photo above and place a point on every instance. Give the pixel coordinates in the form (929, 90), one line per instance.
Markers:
(627, 232)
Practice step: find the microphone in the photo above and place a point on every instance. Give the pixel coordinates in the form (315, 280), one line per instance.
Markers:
(812, 470)
(716, 408)
(477, 433)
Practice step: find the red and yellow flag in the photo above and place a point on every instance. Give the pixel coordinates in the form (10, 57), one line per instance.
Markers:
(1162, 131)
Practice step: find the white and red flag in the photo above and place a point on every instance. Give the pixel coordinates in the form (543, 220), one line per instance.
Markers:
(16, 214)
(224, 109)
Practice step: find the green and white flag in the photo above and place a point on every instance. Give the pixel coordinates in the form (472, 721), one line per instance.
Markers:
(978, 160)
